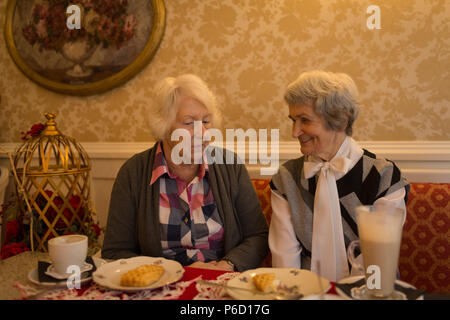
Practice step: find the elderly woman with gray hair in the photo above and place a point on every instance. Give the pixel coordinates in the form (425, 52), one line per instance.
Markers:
(314, 197)
(203, 213)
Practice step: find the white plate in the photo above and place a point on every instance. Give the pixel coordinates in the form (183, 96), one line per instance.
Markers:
(108, 275)
(33, 276)
(357, 278)
(306, 282)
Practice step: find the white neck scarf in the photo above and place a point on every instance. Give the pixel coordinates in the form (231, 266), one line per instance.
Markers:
(328, 245)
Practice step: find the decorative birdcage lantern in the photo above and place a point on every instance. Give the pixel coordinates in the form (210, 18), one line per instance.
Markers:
(53, 188)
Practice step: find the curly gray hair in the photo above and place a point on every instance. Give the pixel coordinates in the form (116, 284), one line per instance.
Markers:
(333, 95)
(168, 92)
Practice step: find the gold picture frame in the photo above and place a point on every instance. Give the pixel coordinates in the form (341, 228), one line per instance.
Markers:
(113, 62)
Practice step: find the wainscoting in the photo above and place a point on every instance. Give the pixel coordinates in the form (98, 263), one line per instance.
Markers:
(420, 161)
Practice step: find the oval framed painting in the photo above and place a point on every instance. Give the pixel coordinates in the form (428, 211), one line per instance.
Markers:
(83, 47)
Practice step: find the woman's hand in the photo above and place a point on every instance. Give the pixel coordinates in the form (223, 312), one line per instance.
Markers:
(223, 265)
(214, 265)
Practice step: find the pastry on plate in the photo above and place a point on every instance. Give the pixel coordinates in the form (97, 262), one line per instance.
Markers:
(142, 276)
(265, 282)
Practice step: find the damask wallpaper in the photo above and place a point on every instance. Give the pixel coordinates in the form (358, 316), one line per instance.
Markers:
(249, 50)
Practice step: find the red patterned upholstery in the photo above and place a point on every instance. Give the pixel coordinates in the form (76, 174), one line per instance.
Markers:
(425, 250)
(262, 188)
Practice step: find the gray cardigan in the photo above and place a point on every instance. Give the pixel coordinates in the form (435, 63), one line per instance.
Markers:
(133, 218)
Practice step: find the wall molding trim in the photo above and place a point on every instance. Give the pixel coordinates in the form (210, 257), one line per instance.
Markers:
(413, 150)
(421, 161)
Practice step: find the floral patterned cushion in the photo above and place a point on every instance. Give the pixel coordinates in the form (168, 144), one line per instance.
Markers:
(425, 250)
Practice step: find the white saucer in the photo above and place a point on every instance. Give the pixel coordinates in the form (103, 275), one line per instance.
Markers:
(357, 278)
(33, 276)
(52, 272)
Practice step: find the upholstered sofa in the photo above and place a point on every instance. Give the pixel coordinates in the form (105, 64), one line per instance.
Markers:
(425, 249)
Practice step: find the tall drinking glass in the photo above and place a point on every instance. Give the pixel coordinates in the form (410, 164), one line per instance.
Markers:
(380, 234)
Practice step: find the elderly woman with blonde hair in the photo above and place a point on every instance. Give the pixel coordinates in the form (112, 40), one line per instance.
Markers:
(314, 197)
(203, 214)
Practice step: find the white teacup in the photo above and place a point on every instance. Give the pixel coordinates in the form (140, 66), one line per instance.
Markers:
(68, 250)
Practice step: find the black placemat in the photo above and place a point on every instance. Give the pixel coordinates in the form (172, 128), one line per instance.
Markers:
(436, 296)
(411, 293)
(43, 266)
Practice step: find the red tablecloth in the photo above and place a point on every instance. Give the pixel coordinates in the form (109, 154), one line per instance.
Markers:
(192, 273)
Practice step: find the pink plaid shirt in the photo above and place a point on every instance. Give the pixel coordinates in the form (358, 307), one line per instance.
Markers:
(190, 225)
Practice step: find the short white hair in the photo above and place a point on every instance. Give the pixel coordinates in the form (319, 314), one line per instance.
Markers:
(171, 90)
(334, 97)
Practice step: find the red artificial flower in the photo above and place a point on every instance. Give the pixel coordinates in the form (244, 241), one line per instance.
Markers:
(51, 212)
(68, 214)
(81, 213)
(12, 249)
(60, 224)
(36, 129)
(50, 236)
(97, 229)
(75, 201)
(12, 230)
(58, 201)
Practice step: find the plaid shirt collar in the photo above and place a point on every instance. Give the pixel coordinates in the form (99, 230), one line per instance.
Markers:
(160, 166)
